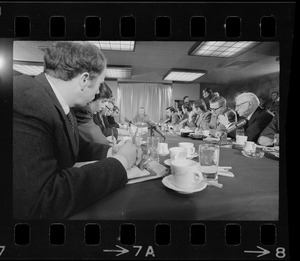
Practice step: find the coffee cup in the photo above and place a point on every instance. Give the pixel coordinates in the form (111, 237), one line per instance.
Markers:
(177, 153)
(250, 146)
(240, 140)
(188, 146)
(186, 173)
(163, 149)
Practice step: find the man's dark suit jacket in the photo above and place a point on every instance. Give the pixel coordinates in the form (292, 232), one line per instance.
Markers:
(45, 183)
(106, 128)
(258, 121)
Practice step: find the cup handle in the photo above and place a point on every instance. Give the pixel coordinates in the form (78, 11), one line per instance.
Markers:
(192, 150)
(198, 176)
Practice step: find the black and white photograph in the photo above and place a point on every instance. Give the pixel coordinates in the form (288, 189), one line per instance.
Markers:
(146, 130)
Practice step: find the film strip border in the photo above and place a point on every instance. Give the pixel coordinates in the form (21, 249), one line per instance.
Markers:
(151, 21)
(156, 239)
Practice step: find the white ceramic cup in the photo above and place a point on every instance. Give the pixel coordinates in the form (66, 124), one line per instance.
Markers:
(240, 140)
(163, 149)
(177, 153)
(188, 146)
(250, 146)
(186, 173)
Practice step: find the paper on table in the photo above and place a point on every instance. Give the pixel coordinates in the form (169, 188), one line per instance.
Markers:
(226, 174)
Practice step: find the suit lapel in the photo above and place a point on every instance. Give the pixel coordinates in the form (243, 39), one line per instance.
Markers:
(254, 116)
(73, 138)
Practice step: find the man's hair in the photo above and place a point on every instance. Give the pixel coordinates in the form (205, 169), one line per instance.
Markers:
(187, 106)
(249, 96)
(185, 97)
(104, 92)
(209, 90)
(276, 93)
(200, 104)
(219, 99)
(171, 108)
(66, 60)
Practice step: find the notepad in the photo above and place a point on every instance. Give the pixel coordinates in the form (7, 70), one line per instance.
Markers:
(154, 170)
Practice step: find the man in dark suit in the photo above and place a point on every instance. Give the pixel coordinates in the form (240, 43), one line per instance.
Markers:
(247, 106)
(46, 145)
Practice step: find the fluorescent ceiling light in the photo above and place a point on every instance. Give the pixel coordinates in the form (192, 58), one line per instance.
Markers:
(183, 75)
(32, 70)
(118, 72)
(221, 48)
(115, 45)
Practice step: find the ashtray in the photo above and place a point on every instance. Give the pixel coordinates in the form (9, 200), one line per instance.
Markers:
(253, 154)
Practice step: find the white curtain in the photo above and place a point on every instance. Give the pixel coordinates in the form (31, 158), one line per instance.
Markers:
(155, 97)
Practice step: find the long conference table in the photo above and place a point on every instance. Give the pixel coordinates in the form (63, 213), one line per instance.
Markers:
(252, 194)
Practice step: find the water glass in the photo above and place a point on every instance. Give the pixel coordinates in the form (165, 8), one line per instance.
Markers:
(240, 132)
(276, 141)
(209, 161)
(152, 148)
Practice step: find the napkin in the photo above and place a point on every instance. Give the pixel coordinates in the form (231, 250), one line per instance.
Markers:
(224, 171)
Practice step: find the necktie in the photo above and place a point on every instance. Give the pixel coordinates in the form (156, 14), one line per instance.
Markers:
(71, 121)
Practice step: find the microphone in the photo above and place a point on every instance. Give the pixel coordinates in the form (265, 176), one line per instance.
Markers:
(237, 125)
(153, 125)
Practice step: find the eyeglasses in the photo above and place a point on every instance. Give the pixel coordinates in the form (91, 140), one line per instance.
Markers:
(109, 109)
(214, 109)
(239, 105)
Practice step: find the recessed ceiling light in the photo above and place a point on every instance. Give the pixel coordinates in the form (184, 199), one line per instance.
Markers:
(183, 75)
(115, 45)
(118, 72)
(221, 48)
(32, 70)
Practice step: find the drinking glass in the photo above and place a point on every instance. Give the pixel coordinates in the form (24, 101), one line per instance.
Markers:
(152, 148)
(276, 141)
(209, 161)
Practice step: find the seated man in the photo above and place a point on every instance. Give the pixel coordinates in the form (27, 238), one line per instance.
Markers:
(203, 116)
(88, 130)
(46, 142)
(111, 118)
(100, 118)
(141, 118)
(218, 107)
(267, 135)
(257, 118)
(185, 115)
(173, 117)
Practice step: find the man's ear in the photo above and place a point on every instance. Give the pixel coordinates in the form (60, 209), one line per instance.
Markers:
(84, 77)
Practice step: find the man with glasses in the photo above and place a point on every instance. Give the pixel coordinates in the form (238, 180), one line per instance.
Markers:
(218, 107)
(247, 106)
(101, 120)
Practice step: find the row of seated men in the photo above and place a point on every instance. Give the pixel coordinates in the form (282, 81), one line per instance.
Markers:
(260, 127)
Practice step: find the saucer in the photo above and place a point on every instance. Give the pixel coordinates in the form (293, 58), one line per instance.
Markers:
(237, 145)
(194, 155)
(168, 162)
(169, 183)
(255, 155)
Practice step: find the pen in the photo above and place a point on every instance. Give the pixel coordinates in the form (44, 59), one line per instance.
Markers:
(134, 136)
(112, 137)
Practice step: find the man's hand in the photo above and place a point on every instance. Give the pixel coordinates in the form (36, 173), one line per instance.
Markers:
(130, 151)
(223, 119)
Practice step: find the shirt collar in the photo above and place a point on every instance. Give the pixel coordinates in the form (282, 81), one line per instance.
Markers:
(248, 118)
(60, 98)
